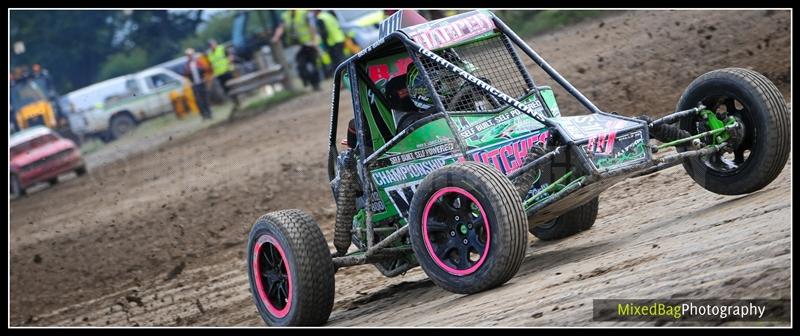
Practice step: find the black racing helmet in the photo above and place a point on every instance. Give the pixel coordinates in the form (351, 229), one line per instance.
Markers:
(417, 89)
(445, 82)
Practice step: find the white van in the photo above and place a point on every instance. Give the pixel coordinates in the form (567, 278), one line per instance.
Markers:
(111, 108)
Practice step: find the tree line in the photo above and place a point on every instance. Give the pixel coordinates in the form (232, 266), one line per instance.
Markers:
(81, 47)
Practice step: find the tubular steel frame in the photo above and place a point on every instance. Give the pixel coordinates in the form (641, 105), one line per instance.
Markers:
(380, 251)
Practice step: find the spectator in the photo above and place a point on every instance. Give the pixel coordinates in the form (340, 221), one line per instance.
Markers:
(221, 63)
(43, 79)
(332, 36)
(300, 26)
(197, 70)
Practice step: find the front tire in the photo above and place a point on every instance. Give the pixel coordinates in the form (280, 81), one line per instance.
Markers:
(16, 187)
(467, 227)
(290, 269)
(760, 155)
(120, 125)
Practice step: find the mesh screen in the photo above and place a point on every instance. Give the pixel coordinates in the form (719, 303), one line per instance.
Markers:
(488, 60)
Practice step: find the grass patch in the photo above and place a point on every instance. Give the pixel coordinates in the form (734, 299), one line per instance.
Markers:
(277, 98)
(263, 104)
(91, 145)
(160, 125)
(532, 22)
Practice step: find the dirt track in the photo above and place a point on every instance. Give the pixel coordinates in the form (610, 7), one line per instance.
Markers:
(159, 238)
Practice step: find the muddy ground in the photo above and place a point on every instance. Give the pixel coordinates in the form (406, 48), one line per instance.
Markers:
(158, 238)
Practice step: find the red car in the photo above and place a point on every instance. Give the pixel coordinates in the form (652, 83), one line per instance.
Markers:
(38, 154)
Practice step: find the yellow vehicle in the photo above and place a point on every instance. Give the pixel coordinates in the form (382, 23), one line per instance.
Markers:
(30, 106)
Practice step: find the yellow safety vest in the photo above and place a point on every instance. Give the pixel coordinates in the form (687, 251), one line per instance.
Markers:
(335, 33)
(219, 61)
(297, 26)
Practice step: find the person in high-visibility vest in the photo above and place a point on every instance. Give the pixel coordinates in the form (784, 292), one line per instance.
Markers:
(332, 36)
(220, 63)
(324, 60)
(300, 27)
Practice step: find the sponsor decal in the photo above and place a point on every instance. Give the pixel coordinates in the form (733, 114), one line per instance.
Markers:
(434, 150)
(590, 125)
(405, 172)
(383, 71)
(452, 31)
(434, 142)
(602, 143)
(627, 148)
(510, 155)
(368, 49)
(471, 130)
(401, 196)
(376, 205)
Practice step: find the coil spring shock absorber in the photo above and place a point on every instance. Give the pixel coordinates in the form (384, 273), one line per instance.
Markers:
(345, 204)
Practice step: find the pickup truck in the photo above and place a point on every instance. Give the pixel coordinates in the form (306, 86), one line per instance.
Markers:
(137, 97)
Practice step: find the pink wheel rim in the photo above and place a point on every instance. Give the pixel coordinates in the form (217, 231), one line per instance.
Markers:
(263, 253)
(456, 232)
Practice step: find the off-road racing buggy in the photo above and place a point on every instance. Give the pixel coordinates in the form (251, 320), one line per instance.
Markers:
(454, 153)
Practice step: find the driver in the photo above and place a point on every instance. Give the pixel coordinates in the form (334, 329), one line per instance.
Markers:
(409, 97)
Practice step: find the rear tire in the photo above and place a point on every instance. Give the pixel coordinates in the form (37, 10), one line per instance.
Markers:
(576, 220)
(290, 269)
(766, 130)
(120, 125)
(467, 227)
(53, 181)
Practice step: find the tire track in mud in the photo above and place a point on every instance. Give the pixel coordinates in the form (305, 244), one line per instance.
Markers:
(656, 236)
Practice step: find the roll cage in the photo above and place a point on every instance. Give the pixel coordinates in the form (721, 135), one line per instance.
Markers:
(398, 41)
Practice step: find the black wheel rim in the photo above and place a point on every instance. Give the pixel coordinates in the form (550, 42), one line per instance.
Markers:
(728, 163)
(272, 275)
(456, 231)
